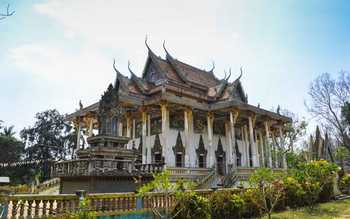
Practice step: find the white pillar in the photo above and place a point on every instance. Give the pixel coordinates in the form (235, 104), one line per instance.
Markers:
(167, 150)
(128, 126)
(120, 128)
(262, 150)
(91, 126)
(233, 152)
(274, 144)
(133, 128)
(255, 156)
(190, 157)
(144, 133)
(78, 136)
(210, 118)
(246, 141)
(283, 148)
(268, 144)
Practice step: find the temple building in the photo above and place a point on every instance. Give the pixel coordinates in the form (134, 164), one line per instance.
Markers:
(183, 117)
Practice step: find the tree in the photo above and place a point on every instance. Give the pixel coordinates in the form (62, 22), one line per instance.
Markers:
(8, 13)
(341, 154)
(267, 188)
(328, 97)
(8, 131)
(294, 131)
(11, 148)
(47, 139)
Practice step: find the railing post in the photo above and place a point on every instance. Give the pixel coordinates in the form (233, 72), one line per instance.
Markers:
(4, 207)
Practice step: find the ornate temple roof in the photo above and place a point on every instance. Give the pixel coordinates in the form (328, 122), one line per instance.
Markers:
(164, 76)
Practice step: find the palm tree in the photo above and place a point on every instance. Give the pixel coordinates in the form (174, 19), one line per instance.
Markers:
(8, 131)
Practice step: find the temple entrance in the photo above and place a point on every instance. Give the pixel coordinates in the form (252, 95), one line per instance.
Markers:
(201, 161)
(179, 160)
(220, 159)
(220, 164)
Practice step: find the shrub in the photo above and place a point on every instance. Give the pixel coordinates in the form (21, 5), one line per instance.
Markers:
(252, 209)
(190, 205)
(294, 192)
(344, 184)
(225, 204)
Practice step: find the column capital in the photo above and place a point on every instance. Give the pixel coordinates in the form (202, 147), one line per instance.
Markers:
(163, 103)
(234, 116)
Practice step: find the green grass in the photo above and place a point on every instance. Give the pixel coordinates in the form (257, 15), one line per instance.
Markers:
(336, 209)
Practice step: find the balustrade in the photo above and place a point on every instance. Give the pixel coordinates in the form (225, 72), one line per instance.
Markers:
(37, 206)
(88, 167)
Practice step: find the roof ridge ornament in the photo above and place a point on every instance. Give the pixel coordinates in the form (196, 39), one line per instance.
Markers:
(132, 73)
(116, 83)
(166, 51)
(212, 69)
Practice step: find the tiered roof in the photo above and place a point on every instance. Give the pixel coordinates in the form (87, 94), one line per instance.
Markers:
(170, 76)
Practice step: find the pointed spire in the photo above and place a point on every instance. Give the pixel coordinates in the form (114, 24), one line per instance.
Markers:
(117, 82)
(212, 69)
(131, 72)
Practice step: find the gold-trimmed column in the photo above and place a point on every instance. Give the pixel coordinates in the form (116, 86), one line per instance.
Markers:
(190, 157)
(246, 142)
(268, 144)
(144, 134)
(232, 151)
(210, 120)
(262, 154)
(255, 156)
(284, 159)
(169, 160)
(128, 125)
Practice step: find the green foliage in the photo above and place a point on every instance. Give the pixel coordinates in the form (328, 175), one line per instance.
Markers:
(48, 137)
(83, 211)
(267, 188)
(225, 204)
(190, 205)
(344, 184)
(316, 178)
(341, 154)
(294, 192)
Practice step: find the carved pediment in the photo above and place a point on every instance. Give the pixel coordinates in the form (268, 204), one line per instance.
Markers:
(179, 147)
(220, 150)
(201, 149)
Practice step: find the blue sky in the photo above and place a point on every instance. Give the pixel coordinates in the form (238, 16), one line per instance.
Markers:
(56, 52)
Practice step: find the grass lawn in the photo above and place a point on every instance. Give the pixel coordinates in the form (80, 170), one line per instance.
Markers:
(336, 209)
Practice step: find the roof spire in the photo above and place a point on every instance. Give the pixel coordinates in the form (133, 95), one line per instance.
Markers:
(132, 73)
(226, 79)
(212, 69)
(146, 38)
(116, 83)
(166, 51)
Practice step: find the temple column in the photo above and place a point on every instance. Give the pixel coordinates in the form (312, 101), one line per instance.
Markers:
(78, 129)
(167, 151)
(284, 159)
(210, 120)
(128, 125)
(190, 157)
(246, 142)
(120, 128)
(144, 134)
(232, 151)
(91, 126)
(133, 128)
(275, 160)
(262, 150)
(255, 155)
(268, 145)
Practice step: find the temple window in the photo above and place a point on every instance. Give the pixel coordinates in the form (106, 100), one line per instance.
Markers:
(158, 157)
(199, 122)
(219, 127)
(156, 125)
(176, 119)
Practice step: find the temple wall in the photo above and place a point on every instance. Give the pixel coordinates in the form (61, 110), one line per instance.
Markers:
(191, 144)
